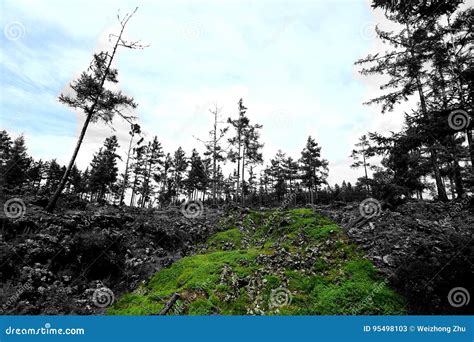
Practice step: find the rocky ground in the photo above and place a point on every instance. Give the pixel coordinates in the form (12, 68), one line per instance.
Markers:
(426, 249)
(53, 264)
(268, 262)
(56, 264)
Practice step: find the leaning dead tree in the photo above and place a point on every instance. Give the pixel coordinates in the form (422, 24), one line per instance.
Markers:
(91, 95)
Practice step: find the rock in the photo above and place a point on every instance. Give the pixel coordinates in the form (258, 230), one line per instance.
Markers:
(388, 260)
(412, 242)
(100, 243)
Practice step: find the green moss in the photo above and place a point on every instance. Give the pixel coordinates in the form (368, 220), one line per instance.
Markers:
(356, 288)
(320, 232)
(201, 307)
(198, 272)
(231, 236)
(341, 280)
(135, 304)
(236, 307)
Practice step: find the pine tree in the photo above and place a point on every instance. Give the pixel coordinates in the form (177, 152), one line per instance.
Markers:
(98, 102)
(277, 174)
(153, 164)
(5, 147)
(313, 167)
(235, 154)
(291, 169)
(165, 177)
(251, 146)
(420, 64)
(180, 164)
(75, 181)
(104, 170)
(36, 173)
(53, 175)
(361, 157)
(17, 164)
(138, 169)
(197, 176)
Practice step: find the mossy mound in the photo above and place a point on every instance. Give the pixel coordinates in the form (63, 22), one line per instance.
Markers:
(290, 262)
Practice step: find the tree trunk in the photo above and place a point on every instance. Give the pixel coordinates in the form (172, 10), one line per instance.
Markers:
(458, 177)
(214, 159)
(132, 199)
(439, 181)
(125, 176)
(457, 169)
(433, 153)
(243, 179)
(52, 203)
(146, 178)
(365, 169)
(238, 174)
(471, 147)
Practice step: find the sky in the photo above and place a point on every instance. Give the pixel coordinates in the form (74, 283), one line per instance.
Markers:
(292, 62)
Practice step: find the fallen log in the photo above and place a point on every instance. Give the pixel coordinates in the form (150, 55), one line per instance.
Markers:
(169, 305)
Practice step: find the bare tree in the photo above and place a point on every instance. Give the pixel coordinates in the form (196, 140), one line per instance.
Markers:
(134, 129)
(214, 148)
